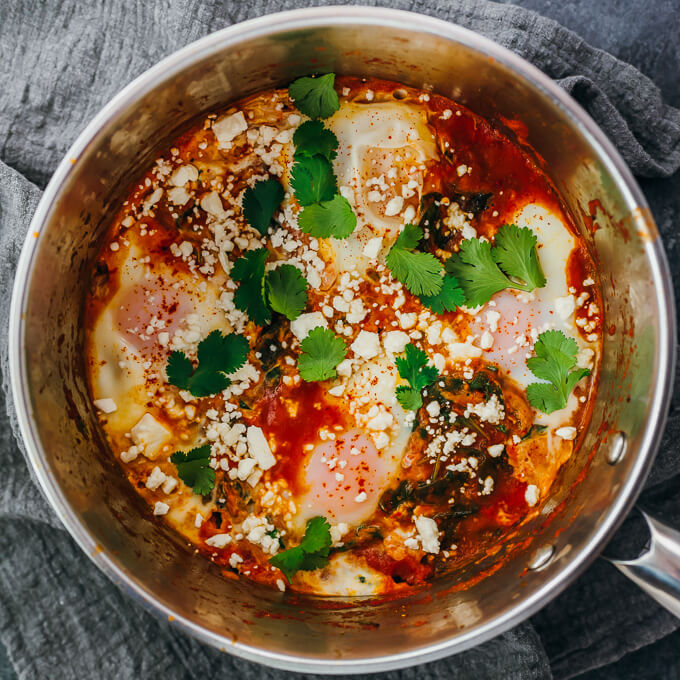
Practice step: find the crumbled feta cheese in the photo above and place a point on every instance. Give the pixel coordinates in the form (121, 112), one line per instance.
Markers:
(491, 411)
(428, 533)
(372, 248)
(531, 495)
(433, 409)
(258, 447)
(380, 439)
(394, 206)
(361, 497)
(169, 484)
(105, 405)
(234, 560)
(149, 435)
(566, 432)
(219, 541)
(229, 127)
(366, 345)
(564, 306)
(281, 585)
(155, 479)
(307, 322)
(183, 174)
(337, 532)
(395, 341)
(198, 520)
(486, 341)
(495, 450)
(160, 508)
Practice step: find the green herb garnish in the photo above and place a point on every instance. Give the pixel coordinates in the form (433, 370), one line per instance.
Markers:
(483, 270)
(329, 218)
(260, 202)
(555, 358)
(420, 272)
(312, 138)
(315, 97)
(322, 351)
(218, 356)
(413, 367)
(193, 468)
(311, 554)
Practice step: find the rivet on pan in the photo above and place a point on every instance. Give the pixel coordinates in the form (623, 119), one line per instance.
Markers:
(617, 449)
(541, 557)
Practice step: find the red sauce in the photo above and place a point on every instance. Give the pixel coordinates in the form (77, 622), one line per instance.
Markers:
(291, 418)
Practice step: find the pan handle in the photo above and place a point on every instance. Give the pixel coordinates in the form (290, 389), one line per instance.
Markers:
(657, 569)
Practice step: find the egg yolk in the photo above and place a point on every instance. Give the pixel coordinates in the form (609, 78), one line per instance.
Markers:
(345, 477)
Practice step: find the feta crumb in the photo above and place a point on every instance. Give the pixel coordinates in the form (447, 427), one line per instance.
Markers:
(531, 495)
(495, 450)
(366, 345)
(361, 497)
(198, 520)
(160, 508)
(305, 323)
(219, 541)
(566, 432)
(461, 170)
(149, 435)
(394, 206)
(428, 533)
(229, 127)
(105, 405)
(281, 585)
(155, 479)
(486, 341)
(395, 341)
(564, 306)
(258, 447)
(433, 409)
(372, 248)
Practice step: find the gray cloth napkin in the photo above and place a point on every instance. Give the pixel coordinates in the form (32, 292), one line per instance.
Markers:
(62, 619)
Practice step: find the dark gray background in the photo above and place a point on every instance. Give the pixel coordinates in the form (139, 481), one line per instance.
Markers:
(644, 34)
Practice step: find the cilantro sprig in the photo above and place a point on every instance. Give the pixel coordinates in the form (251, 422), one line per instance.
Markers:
(282, 290)
(218, 356)
(315, 97)
(313, 138)
(554, 361)
(448, 299)
(311, 554)
(328, 218)
(483, 270)
(413, 367)
(313, 180)
(287, 290)
(250, 295)
(193, 468)
(420, 272)
(325, 213)
(322, 351)
(260, 202)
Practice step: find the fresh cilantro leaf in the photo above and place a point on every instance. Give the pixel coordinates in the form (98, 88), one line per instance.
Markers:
(477, 273)
(313, 180)
(483, 271)
(413, 368)
(421, 273)
(311, 554)
(218, 355)
(260, 202)
(330, 218)
(250, 295)
(193, 468)
(287, 290)
(555, 358)
(313, 138)
(450, 297)
(315, 97)
(322, 351)
(515, 253)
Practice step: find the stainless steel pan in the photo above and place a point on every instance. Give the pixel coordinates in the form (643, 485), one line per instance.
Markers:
(597, 487)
